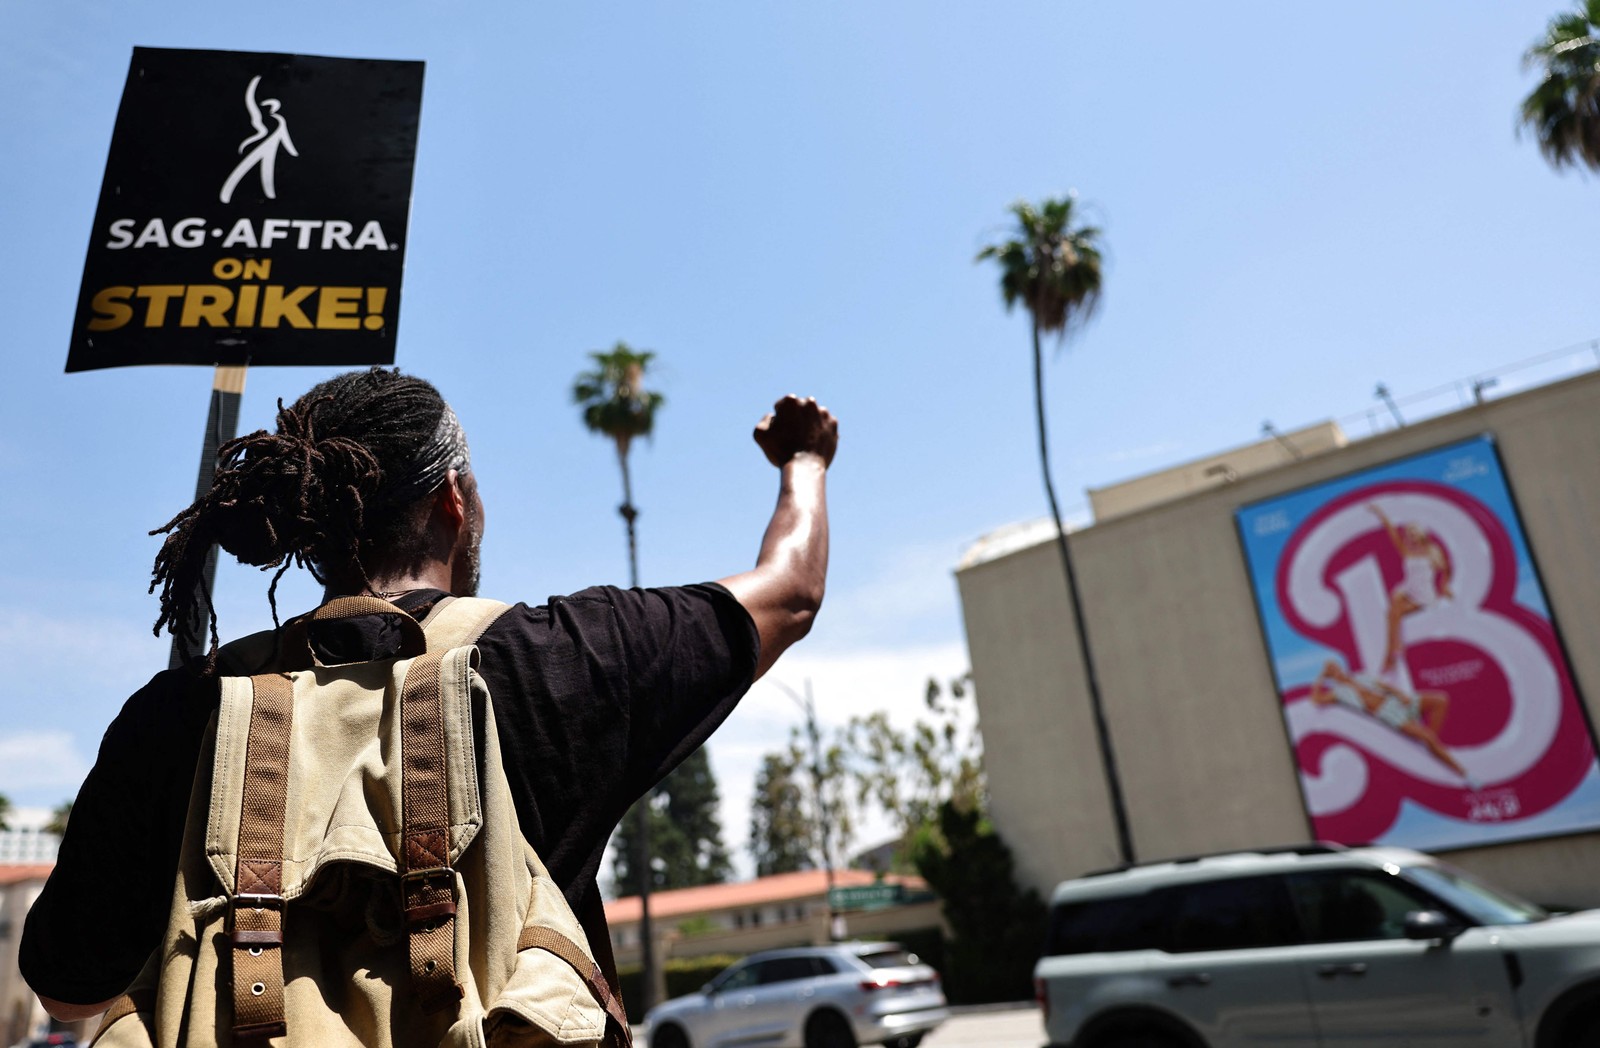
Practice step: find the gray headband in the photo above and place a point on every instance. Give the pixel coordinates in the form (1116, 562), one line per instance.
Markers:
(446, 450)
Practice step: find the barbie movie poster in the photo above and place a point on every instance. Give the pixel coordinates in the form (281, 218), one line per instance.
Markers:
(1424, 688)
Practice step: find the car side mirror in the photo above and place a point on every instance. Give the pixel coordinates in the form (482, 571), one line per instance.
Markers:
(1427, 925)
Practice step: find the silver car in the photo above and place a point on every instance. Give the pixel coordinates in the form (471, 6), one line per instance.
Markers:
(834, 996)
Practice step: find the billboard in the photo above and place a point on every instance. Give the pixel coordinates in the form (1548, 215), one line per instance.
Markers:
(1425, 691)
(253, 211)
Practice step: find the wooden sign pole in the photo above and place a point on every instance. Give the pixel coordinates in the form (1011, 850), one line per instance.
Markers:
(222, 425)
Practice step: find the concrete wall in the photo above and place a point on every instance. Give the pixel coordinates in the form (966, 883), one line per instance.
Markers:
(1185, 674)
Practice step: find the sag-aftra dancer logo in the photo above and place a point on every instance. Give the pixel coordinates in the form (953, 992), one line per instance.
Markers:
(267, 141)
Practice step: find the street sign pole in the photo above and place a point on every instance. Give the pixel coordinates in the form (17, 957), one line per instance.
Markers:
(222, 425)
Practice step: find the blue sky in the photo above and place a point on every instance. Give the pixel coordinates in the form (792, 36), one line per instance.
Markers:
(1297, 202)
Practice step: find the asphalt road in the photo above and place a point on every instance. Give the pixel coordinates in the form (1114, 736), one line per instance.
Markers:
(1018, 1027)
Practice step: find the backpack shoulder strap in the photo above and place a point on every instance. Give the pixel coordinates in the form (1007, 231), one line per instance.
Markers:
(251, 655)
(284, 649)
(456, 622)
(545, 938)
(256, 902)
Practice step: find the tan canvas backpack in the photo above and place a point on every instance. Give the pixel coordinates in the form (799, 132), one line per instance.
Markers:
(352, 871)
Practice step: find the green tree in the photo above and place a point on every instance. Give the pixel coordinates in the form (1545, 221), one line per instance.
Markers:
(697, 854)
(5, 812)
(781, 832)
(910, 773)
(1563, 111)
(810, 796)
(995, 926)
(1051, 265)
(685, 833)
(58, 819)
(801, 811)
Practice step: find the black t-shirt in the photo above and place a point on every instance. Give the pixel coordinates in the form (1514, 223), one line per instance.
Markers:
(597, 696)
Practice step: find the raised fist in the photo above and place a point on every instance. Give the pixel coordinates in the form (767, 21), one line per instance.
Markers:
(797, 425)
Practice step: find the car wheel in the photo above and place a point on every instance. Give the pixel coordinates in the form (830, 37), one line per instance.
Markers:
(904, 1042)
(829, 1030)
(1584, 1030)
(669, 1037)
(1137, 1039)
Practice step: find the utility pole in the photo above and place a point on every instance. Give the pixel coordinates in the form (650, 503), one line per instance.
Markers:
(825, 827)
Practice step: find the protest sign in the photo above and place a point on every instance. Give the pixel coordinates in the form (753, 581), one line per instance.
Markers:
(253, 211)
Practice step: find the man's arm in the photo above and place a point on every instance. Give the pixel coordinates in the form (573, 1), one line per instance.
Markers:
(784, 590)
(71, 1013)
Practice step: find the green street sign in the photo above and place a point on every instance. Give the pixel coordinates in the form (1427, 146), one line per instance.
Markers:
(867, 897)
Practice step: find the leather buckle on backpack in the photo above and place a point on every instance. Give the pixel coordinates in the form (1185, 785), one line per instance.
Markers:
(263, 934)
(424, 883)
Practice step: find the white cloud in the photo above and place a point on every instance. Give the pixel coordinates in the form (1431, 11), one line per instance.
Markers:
(909, 599)
(54, 719)
(36, 761)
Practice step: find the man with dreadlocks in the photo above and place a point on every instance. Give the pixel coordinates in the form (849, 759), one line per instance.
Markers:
(598, 695)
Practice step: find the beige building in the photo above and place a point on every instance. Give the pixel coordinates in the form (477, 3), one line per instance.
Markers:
(1184, 671)
(768, 913)
(20, 1011)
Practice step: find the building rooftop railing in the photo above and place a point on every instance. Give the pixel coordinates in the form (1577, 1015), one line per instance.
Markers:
(1390, 412)
(28, 847)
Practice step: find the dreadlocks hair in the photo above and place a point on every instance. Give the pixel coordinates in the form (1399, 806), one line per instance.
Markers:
(316, 493)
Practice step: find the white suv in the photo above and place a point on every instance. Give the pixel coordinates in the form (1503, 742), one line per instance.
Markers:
(1316, 945)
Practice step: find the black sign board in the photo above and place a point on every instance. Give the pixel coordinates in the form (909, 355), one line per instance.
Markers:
(253, 212)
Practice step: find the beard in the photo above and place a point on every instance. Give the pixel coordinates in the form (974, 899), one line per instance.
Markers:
(469, 571)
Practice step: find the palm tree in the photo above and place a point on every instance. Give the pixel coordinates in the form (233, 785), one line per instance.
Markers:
(616, 405)
(1564, 110)
(1052, 267)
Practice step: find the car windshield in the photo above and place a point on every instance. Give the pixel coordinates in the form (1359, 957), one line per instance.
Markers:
(1472, 897)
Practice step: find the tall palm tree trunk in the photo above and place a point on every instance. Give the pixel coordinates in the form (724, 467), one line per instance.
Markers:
(1108, 757)
(641, 810)
(629, 514)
